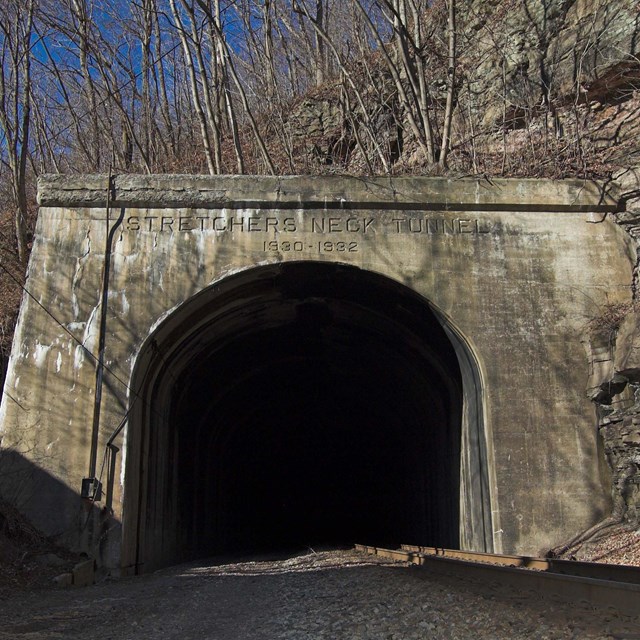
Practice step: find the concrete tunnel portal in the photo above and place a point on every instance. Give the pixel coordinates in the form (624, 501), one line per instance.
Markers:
(266, 389)
(290, 406)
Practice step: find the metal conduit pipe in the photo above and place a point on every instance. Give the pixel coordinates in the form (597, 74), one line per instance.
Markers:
(91, 488)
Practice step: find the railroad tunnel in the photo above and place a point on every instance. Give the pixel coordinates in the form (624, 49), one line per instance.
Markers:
(290, 406)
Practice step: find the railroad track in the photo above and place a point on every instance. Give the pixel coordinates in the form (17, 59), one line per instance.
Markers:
(615, 588)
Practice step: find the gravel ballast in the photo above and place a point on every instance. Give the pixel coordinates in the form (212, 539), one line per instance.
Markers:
(329, 594)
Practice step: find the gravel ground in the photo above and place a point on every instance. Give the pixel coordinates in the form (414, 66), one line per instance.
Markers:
(332, 594)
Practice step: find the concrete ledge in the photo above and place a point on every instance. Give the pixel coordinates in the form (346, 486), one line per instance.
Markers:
(325, 192)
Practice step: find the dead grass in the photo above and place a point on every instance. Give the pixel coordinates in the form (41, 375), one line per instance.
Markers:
(28, 559)
(617, 545)
(10, 292)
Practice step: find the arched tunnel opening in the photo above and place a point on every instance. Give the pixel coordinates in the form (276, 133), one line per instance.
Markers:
(291, 406)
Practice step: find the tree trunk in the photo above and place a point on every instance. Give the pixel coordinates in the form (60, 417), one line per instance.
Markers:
(451, 86)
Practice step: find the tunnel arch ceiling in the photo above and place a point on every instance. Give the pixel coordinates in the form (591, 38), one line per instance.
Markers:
(513, 271)
(299, 404)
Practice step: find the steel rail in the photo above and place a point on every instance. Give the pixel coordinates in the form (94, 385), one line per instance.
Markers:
(614, 588)
(600, 570)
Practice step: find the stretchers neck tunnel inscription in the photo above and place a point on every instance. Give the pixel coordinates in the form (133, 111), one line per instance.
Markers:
(290, 359)
(347, 224)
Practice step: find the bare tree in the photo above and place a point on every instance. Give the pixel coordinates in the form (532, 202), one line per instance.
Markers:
(16, 31)
(186, 38)
(451, 83)
(80, 29)
(220, 65)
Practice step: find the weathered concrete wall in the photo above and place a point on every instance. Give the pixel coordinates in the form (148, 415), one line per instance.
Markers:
(517, 267)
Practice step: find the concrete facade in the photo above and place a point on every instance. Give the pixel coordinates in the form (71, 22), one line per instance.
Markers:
(514, 272)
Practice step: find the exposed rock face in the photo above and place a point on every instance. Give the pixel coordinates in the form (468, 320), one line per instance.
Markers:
(326, 132)
(559, 50)
(319, 126)
(614, 345)
(561, 77)
(614, 386)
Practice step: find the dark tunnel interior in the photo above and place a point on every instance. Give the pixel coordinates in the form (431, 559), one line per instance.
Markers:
(319, 405)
